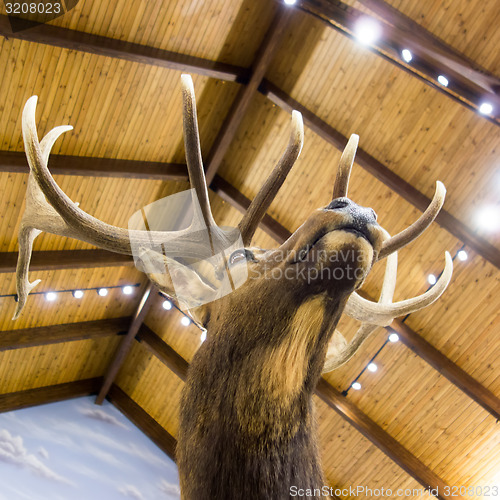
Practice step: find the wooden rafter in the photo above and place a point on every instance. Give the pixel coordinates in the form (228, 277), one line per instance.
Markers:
(48, 260)
(467, 86)
(110, 47)
(55, 334)
(49, 394)
(384, 174)
(263, 59)
(147, 424)
(340, 404)
(126, 344)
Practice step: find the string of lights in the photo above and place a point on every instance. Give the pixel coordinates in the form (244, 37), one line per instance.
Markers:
(393, 337)
(78, 293)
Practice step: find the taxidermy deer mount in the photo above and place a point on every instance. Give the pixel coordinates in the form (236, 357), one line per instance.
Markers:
(247, 419)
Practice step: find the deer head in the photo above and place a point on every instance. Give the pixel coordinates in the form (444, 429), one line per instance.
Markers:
(328, 257)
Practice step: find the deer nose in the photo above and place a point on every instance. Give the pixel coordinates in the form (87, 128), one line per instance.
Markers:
(359, 214)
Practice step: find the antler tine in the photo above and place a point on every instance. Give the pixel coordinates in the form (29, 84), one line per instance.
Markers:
(345, 166)
(335, 356)
(193, 150)
(383, 314)
(418, 227)
(268, 191)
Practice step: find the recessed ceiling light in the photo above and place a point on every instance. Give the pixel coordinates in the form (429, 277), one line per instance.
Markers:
(185, 321)
(127, 290)
(407, 55)
(356, 386)
(431, 279)
(102, 292)
(443, 80)
(290, 2)
(367, 30)
(372, 367)
(51, 296)
(486, 108)
(167, 305)
(203, 336)
(462, 255)
(488, 218)
(78, 294)
(393, 337)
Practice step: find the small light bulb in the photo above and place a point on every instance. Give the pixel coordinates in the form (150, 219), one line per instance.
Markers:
(487, 218)
(290, 2)
(443, 80)
(486, 108)
(393, 337)
(78, 294)
(51, 296)
(462, 255)
(356, 386)
(372, 367)
(167, 305)
(203, 335)
(102, 292)
(127, 290)
(185, 321)
(367, 30)
(431, 279)
(407, 55)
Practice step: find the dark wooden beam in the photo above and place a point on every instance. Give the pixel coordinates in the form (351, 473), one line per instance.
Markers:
(147, 424)
(447, 368)
(110, 47)
(49, 394)
(13, 161)
(163, 351)
(381, 439)
(430, 59)
(384, 174)
(340, 404)
(263, 59)
(126, 344)
(55, 334)
(65, 259)
(238, 200)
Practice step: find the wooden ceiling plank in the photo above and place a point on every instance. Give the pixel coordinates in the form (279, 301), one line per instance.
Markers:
(447, 368)
(126, 344)
(49, 394)
(468, 86)
(105, 46)
(47, 260)
(263, 59)
(147, 424)
(54, 334)
(384, 174)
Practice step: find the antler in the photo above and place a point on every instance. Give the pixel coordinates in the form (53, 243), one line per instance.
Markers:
(268, 191)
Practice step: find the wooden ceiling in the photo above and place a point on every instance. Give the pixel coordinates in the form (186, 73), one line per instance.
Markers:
(428, 416)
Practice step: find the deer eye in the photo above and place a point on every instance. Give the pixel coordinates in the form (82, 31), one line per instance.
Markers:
(238, 256)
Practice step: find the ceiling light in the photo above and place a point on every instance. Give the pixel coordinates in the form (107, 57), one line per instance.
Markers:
(443, 80)
(127, 290)
(203, 336)
(431, 279)
(102, 292)
(488, 218)
(407, 55)
(367, 30)
(486, 108)
(185, 321)
(462, 255)
(78, 294)
(51, 296)
(167, 305)
(290, 2)
(372, 367)
(393, 337)
(356, 386)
